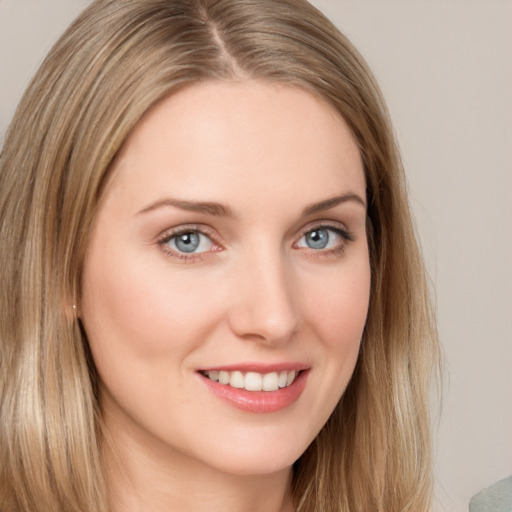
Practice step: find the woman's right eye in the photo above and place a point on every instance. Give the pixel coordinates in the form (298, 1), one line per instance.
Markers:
(187, 242)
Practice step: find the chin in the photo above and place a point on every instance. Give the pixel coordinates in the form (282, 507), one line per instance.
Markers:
(249, 466)
(251, 457)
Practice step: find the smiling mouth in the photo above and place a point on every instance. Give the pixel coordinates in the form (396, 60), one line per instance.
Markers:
(253, 381)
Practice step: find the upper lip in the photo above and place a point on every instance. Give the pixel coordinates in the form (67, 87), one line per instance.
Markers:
(258, 367)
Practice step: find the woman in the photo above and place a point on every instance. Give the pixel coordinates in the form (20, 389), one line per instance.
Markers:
(212, 294)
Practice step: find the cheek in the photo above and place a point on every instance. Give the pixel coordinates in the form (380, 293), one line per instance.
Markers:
(339, 309)
(141, 322)
(338, 316)
(142, 305)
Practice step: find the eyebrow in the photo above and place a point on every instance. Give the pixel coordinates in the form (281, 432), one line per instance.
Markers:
(208, 207)
(222, 210)
(327, 204)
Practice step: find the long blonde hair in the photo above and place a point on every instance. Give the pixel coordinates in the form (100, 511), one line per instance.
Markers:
(118, 59)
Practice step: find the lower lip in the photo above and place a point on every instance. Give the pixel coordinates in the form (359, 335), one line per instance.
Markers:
(259, 401)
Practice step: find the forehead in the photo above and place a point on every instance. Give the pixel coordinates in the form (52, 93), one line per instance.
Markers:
(210, 138)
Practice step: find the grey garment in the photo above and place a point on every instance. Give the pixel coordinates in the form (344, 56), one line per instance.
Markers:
(496, 498)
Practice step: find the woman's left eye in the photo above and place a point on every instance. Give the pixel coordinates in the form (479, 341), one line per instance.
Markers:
(189, 242)
(323, 238)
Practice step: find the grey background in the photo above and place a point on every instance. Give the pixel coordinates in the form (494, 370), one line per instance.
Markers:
(446, 71)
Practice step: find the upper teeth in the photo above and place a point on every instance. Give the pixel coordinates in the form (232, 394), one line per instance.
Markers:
(253, 381)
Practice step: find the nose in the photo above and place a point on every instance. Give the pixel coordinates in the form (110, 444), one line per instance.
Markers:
(264, 302)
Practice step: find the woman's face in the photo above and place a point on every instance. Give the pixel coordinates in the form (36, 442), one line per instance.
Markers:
(226, 285)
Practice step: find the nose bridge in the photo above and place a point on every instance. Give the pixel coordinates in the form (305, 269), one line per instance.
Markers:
(264, 303)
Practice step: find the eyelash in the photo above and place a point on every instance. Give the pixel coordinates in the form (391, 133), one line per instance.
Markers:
(339, 249)
(183, 230)
(343, 233)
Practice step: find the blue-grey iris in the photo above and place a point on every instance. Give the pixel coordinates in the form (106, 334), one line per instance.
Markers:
(317, 239)
(187, 242)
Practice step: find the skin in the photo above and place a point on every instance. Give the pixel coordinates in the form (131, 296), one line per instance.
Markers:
(256, 292)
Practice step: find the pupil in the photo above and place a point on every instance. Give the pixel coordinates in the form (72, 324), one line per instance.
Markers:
(187, 242)
(318, 239)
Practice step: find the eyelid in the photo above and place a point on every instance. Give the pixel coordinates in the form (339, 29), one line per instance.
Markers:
(336, 226)
(339, 228)
(168, 234)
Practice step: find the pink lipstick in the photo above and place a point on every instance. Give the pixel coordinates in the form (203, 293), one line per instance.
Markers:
(256, 388)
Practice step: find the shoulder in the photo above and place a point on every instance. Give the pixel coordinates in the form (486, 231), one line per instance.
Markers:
(496, 498)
